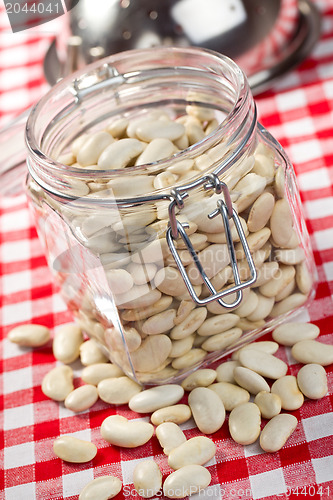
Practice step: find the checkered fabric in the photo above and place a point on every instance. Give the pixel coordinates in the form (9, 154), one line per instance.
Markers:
(298, 111)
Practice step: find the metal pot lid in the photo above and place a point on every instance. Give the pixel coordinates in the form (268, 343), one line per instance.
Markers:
(266, 39)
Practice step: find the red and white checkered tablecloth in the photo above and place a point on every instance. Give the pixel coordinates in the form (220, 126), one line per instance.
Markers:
(298, 111)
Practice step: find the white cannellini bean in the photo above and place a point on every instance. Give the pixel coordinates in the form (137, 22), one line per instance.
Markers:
(159, 323)
(207, 409)
(218, 324)
(91, 149)
(156, 150)
(146, 312)
(118, 390)
(197, 450)
(152, 353)
(287, 389)
(82, 398)
(189, 359)
(72, 449)
(58, 383)
(153, 129)
(289, 334)
(312, 351)
(181, 346)
(268, 403)
(120, 281)
(119, 154)
(264, 345)
(185, 481)
(29, 335)
(244, 423)
(263, 363)
(221, 340)
(288, 304)
(101, 488)
(170, 436)
(90, 353)
(261, 211)
(93, 374)
(225, 371)
(157, 397)
(175, 413)
(119, 431)
(147, 478)
(67, 342)
(165, 179)
(200, 378)
(231, 395)
(312, 381)
(142, 274)
(250, 380)
(281, 222)
(190, 324)
(276, 432)
(169, 281)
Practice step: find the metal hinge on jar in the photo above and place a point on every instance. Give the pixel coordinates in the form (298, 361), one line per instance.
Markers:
(176, 229)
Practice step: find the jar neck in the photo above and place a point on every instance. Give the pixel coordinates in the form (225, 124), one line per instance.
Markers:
(136, 80)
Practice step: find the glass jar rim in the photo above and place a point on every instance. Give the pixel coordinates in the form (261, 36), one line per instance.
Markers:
(69, 84)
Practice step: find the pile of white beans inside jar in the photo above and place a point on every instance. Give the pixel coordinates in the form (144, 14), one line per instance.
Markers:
(143, 155)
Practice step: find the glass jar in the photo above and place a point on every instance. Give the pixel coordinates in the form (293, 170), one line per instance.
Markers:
(173, 254)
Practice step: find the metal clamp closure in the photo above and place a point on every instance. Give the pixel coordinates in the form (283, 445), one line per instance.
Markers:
(176, 229)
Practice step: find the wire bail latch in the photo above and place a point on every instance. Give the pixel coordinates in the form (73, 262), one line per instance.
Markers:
(227, 212)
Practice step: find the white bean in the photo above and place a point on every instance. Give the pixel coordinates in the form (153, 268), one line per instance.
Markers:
(287, 389)
(289, 334)
(250, 380)
(72, 449)
(29, 335)
(118, 154)
(170, 436)
(200, 378)
(119, 431)
(225, 371)
(91, 149)
(311, 351)
(117, 390)
(82, 398)
(93, 374)
(244, 423)
(159, 323)
(156, 150)
(185, 481)
(152, 353)
(175, 413)
(197, 450)
(207, 409)
(190, 325)
(101, 488)
(189, 359)
(281, 222)
(218, 324)
(222, 340)
(154, 398)
(153, 129)
(147, 478)
(276, 432)
(67, 342)
(231, 395)
(263, 363)
(268, 403)
(312, 381)
(90, 353)
(58, 383)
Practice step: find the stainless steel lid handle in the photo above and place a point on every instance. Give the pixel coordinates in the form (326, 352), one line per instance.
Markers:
(227, 212)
